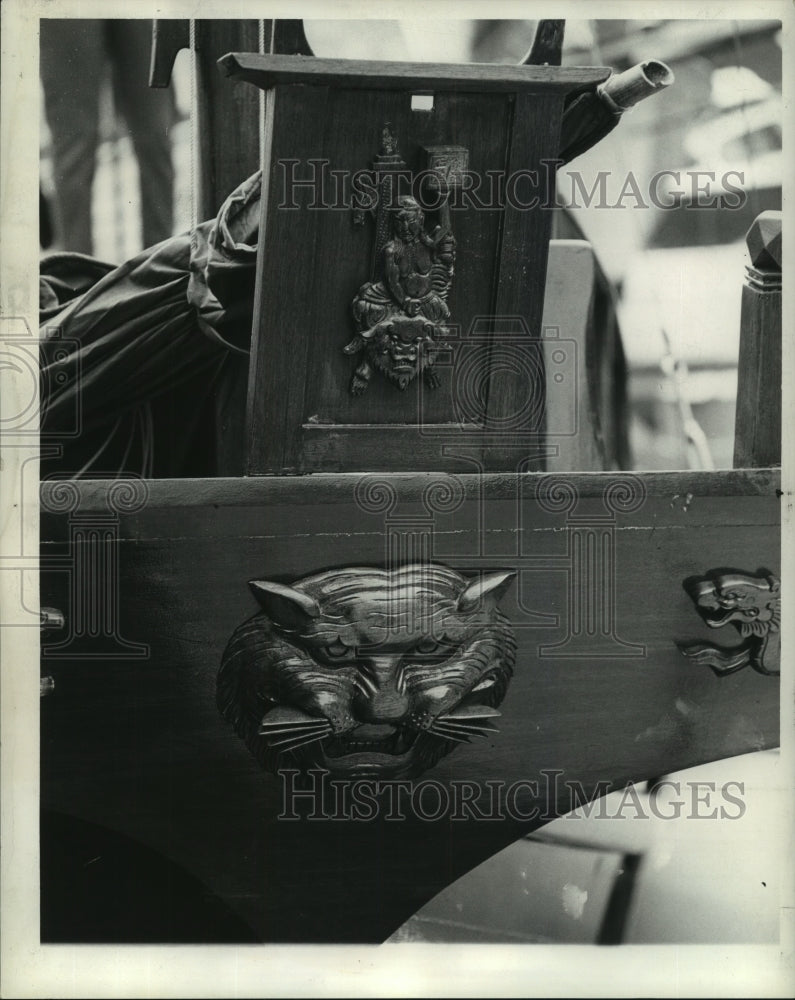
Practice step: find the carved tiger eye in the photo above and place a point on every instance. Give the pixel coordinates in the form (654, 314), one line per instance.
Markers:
(428, 647)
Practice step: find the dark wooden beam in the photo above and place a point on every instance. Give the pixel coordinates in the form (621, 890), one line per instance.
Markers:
(268, 71)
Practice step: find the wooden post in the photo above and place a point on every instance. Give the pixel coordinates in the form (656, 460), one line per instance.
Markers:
(227, 126)
(227, 114)
(757, 430)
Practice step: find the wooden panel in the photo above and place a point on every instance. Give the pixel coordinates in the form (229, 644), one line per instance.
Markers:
(285, 306)
(294, 413)
(479, 122)
(522, 267)
(573, 408)
(313, 260)
(138, 746)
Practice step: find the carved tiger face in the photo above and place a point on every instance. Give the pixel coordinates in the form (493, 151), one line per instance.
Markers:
(368, 672)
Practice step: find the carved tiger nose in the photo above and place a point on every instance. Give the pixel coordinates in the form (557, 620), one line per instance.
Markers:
(381, 696)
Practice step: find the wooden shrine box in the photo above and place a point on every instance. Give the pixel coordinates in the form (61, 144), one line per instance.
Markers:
(399, 594)
(326, 122)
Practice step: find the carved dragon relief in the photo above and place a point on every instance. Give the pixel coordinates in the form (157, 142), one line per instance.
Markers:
(752, 604)
(400, 314)
(368, 672)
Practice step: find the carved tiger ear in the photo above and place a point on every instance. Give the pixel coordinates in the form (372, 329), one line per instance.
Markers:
(495, 584)
(773, 581)
(284, 605)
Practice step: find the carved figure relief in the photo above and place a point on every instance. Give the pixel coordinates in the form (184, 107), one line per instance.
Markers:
(368, 672)
(752, 604)
(400, 315)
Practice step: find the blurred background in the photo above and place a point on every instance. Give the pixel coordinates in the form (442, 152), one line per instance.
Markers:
(676, 274)
(646, 867)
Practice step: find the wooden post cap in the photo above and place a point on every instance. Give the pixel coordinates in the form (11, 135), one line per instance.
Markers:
(764, 242)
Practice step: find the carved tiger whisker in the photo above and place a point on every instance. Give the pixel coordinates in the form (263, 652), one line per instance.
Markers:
(282, 724)
(472, 712)
(455, 737)
(474, 729)
(293, 730)
(296, 742)
(463, 730)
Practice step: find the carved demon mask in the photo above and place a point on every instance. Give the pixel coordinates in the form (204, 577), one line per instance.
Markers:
(402, 347)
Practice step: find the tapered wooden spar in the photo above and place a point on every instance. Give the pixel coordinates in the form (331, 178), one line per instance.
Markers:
(269, 70)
